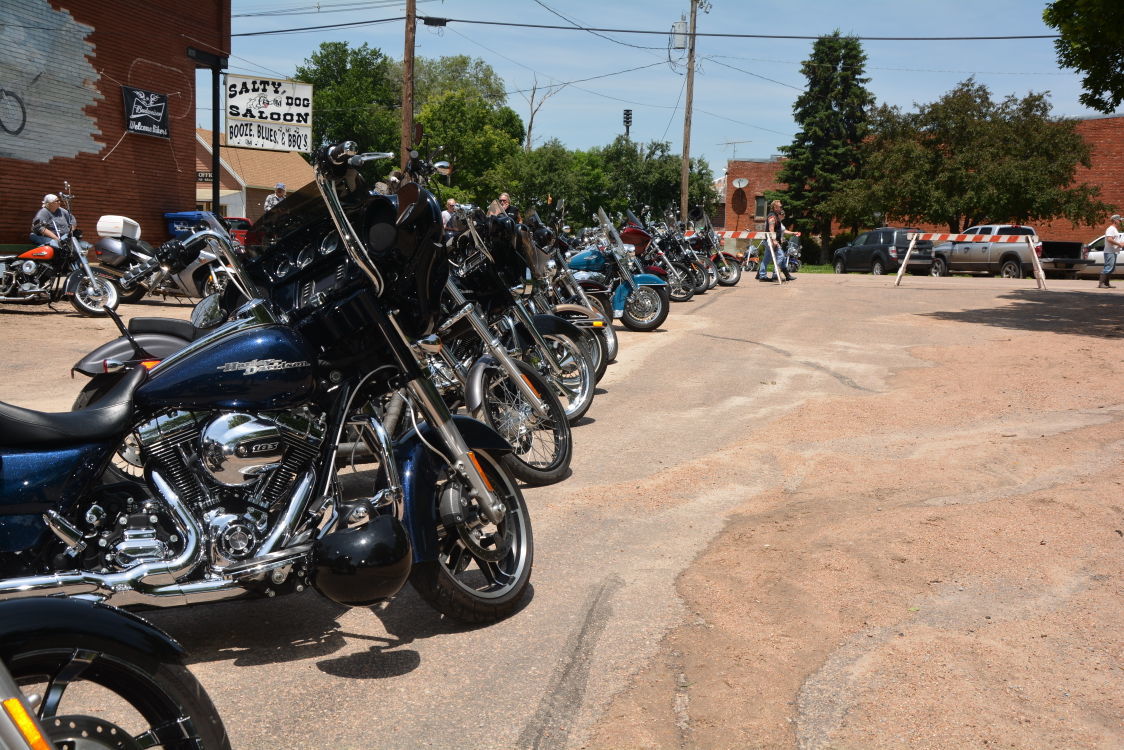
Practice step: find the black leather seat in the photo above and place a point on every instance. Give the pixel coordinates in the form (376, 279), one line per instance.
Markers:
(107, 419)
(168, 326)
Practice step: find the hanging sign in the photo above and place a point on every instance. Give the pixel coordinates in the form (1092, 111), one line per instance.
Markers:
(145, 112)
(268, 114)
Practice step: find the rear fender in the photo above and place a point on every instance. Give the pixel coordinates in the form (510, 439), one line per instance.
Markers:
(159, 345)
(420, 469)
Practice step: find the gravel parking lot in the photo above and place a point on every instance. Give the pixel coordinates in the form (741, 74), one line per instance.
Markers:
(832, 514)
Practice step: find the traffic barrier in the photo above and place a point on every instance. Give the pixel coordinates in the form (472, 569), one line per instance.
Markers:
(1030, 240)
(731, 235)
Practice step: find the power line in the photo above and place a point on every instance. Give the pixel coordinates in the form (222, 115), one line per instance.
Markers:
(575, 23)
(321, 27)
(755, 75)
(591, 78)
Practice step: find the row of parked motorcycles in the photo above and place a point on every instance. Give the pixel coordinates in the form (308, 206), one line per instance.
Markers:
(201, 460)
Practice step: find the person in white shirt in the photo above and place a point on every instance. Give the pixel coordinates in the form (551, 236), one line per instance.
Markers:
(1113, 243)
(275, 197)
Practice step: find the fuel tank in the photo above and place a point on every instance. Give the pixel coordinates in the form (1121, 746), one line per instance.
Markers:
(259, 368)
(588, 260)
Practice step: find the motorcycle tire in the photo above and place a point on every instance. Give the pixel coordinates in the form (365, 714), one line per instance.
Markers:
(684, 289)
(158, 699)
(594, 346)
(711, 273)
(133, 296)
(646, 308)
(729, 272)
(464, 583)
(606, 333)
(698, 277)
(542, 447)
(91, 298)
(575, 386)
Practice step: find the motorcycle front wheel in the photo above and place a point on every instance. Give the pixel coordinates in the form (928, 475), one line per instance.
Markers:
(729, 272)
(697, 277)
(574, 386)
(606, 332)
(92, 297)
(711, 273)
(78, 683)
(646, 308)
(542, 446)
(680, 284)
(482, 569)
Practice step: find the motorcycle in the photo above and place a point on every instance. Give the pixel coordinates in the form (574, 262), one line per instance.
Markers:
(120, 251)
(682, 280)
(49, 273)
(792, 252)
(639, 299)
(237, 434)
(705, 240)
(61, 658)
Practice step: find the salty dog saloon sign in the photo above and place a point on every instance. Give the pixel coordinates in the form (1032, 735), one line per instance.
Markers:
(268, 114)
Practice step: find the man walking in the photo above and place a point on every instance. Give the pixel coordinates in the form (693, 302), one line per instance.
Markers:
(1113, 243)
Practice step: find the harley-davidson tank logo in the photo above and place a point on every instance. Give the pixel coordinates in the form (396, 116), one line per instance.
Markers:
(261, 365)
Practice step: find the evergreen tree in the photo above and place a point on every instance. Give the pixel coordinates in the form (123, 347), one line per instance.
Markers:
(832, 114)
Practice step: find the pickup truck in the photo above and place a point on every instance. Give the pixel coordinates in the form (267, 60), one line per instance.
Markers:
(1094, 257)
(1008, 259)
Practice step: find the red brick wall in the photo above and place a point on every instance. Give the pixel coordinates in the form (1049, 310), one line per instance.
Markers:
(138, 43)
(1104, 134)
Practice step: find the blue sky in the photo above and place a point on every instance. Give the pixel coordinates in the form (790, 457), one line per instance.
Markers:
(744, 88)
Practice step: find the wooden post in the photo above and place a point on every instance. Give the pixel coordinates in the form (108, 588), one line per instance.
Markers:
(905, 261)
(1039, 274)
(685, 170)
(408, 84)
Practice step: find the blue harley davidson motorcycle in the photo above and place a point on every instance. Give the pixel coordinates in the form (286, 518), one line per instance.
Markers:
(234, 438)
(641, 300)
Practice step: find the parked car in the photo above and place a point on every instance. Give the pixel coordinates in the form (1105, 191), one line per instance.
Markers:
(1008, 259)
(237, 226)
(1093, 253)
(882, 251)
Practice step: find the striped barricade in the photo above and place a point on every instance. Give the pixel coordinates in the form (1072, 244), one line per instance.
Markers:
(1030, 240)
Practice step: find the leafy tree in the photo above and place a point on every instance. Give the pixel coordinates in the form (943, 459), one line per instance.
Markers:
(965, 159)
(474, 136)
(433, 76)
(355, 96)
(1089, 45)
(832, 113)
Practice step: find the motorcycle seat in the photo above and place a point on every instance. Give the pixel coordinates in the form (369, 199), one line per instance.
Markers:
(182, 329)
(107, 419)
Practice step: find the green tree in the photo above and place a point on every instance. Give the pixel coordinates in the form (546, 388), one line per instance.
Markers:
(1089, 45)
(474, 135)
(355, 96)
(433, 76)
(832, 113)
(966, 159)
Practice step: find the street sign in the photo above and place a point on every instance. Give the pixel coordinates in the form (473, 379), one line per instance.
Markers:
(267, 113)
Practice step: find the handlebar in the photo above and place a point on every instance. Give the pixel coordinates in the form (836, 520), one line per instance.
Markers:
(341, 152)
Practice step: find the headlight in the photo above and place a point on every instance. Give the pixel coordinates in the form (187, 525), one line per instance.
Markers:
(629, 249)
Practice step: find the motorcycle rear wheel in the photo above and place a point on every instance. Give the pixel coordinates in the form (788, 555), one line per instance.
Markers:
(92, 297)
(542, 446)
(165, 705)
(465, 586)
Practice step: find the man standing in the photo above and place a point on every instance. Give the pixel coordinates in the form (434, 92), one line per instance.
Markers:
(1113, 243)
(51, 222)
(774, 225)
(275, 197)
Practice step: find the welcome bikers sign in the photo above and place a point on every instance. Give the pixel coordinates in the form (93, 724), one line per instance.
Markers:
(268, 113)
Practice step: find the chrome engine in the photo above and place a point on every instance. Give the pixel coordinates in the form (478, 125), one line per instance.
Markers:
(23, 276)
(235, 471)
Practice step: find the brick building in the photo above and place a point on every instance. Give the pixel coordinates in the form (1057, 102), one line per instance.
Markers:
(63, 64)
(745, 207)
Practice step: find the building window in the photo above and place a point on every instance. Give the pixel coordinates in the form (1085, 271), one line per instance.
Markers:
(759, 208)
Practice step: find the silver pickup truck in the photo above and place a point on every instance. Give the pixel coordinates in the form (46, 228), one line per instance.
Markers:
(1007, 259)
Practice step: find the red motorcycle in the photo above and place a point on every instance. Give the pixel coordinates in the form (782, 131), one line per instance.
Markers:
(681, 282)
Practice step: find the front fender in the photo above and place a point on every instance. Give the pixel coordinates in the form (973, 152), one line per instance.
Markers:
(158, 345)
(647, 279)
(420, 469)
(556, 325)
(579, 315)
(54, 622)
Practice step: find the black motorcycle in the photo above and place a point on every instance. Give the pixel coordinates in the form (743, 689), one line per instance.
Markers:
(236, 435)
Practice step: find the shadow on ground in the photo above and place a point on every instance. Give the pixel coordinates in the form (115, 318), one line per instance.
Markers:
(1094, 313)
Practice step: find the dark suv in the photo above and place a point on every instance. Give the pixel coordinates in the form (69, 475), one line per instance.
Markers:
(882, 251)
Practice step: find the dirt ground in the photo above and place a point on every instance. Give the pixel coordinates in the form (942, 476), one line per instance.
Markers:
(935, 565)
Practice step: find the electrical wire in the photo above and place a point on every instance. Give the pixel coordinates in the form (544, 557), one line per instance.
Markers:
(301, 29)
(575, 23)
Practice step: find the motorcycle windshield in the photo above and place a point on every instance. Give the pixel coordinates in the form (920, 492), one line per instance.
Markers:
(632, 219)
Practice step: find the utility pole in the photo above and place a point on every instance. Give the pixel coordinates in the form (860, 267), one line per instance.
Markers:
(686, 170)
(408, 84)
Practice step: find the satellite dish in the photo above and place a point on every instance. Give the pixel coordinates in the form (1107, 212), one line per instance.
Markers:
(740, 182)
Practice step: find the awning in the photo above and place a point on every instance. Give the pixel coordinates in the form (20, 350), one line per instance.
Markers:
(205, 194)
